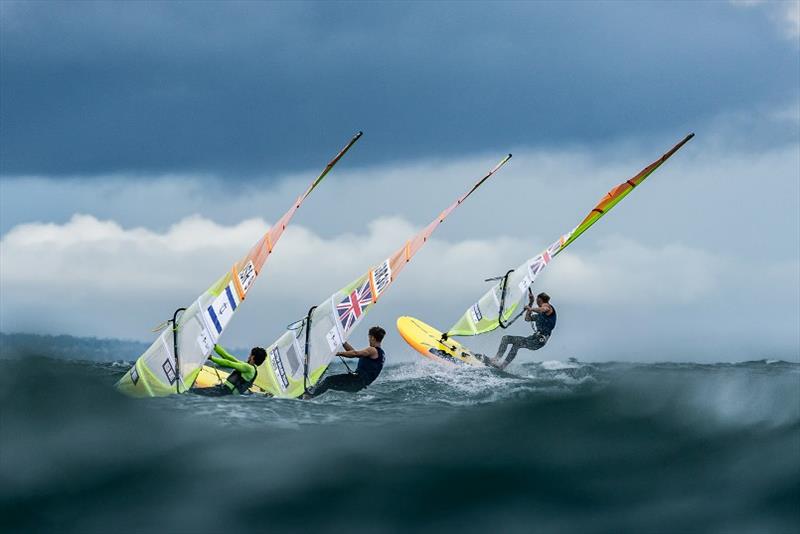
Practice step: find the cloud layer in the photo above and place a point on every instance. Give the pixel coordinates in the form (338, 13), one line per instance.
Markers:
(240, 89)
(700, 263)
(785, 14)
(618, 299)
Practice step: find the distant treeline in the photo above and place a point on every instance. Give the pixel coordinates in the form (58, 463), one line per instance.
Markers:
(79, 348)
(69, 347)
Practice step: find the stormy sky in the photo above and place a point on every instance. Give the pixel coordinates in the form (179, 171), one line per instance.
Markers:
(144, 146)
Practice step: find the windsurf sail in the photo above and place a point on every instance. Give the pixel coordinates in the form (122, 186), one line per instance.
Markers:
(171, 364)
(498, 306)
(297, 360)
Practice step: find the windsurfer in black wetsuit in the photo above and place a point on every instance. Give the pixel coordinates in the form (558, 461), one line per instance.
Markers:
(370, 364)
(543, 320)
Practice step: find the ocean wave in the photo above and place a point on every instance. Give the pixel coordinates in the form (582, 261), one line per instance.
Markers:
(573, 448)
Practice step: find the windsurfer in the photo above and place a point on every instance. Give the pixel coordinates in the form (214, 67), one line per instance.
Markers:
(370, 364)
(543, 320)
(242, 376)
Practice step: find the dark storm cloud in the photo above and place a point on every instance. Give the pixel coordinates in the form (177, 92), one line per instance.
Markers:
(248, 88)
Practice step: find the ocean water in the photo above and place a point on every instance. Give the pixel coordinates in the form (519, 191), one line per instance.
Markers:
(549, 447)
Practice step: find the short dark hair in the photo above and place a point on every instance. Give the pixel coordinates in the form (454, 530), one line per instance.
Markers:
(258, 354)
(544, 296)
(377, 332)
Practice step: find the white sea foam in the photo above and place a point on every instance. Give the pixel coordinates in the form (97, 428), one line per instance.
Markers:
(555, 365)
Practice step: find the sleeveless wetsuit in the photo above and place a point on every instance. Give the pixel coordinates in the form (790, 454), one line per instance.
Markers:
(545, 323)
(366, 373)
(369, 369)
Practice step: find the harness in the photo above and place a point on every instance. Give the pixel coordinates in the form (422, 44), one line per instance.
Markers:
(237, 382)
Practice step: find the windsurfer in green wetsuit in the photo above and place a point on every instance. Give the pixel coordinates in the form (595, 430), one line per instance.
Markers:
(242, 376)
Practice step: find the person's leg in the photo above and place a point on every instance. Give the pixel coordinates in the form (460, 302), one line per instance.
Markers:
(515, 345)
(323, 386)
(342, 382)
(534, 342)
(504, 343)
(514, 342)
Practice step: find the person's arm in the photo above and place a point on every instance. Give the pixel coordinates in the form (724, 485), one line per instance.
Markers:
(546, 309)
(229, 361)
(243, 367)
(225, 354)
(227, 364)
(528, 311)
(347, 346)
(369, 352)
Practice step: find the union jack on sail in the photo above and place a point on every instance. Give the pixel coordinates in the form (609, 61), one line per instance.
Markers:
(538, 263)
(352, 307)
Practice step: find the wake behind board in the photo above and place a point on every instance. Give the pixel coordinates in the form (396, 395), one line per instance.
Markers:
(426, 340)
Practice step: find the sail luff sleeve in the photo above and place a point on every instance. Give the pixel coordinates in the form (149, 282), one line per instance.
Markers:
(483, 316)
(615, 195)
(405, 253)
(334, 319)
(263, 248)
(155, 372)
(332, 163)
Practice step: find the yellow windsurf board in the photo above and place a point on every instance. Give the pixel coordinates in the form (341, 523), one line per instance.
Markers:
(428, 341)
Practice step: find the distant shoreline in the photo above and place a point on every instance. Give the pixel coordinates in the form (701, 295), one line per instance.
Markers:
(67, 347)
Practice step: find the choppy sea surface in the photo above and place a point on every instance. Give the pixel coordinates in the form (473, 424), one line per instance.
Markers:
(549, 447)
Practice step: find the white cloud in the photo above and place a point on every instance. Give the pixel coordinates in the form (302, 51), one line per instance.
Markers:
(663, 277)
(785, 14)
(94, 277)
(539, 194)
(791, 18)
(790, 113)
(626, 272)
